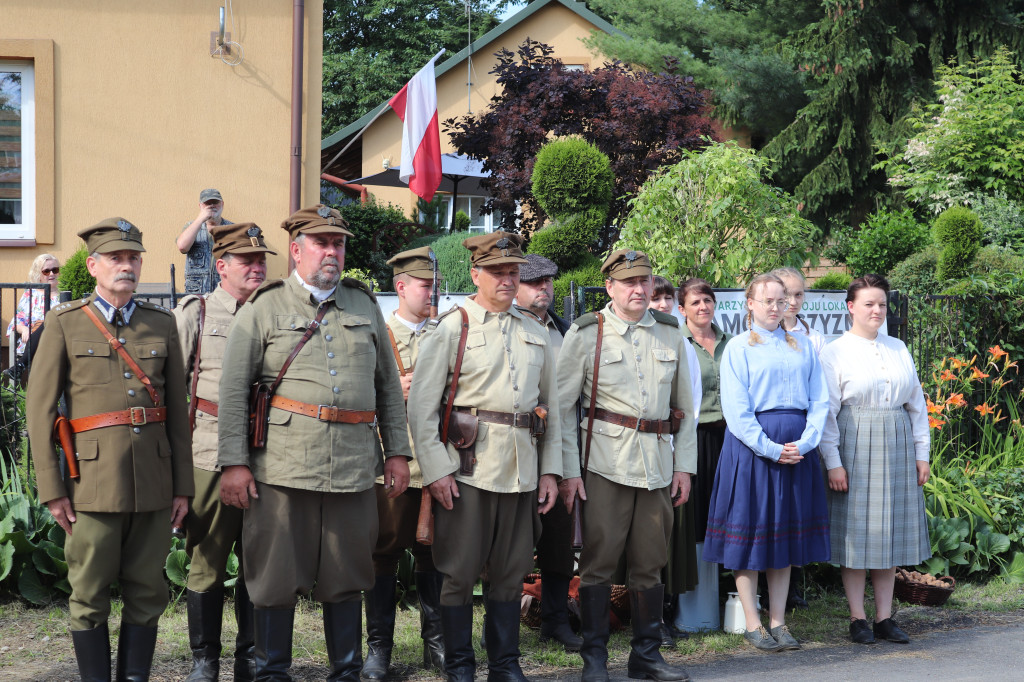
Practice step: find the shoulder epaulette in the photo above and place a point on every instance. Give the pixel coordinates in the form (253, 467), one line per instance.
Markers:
(266, 286)
(585, 320)
(70, 305)
(185, 301)
(665, 318)
(354, 283)
(529, 313)
(149, 305)
(436, 321)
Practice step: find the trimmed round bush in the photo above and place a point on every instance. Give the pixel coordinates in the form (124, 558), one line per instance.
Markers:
(461, 222)
(571, 175)
(916, 274)
(587, 274)
(993, 260)
(833, 280)
(958, 230)
(567, 242)
(885, 239)
(74, 275)
(453, 261)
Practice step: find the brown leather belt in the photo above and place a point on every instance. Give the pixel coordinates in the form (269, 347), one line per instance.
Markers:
(325, 413)
(206, 406)
(134, 416)
(519, 420)
(658, 426)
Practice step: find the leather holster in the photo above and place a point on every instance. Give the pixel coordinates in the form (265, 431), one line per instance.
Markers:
(462, 430)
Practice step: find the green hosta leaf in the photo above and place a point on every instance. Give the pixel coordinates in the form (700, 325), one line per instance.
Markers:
(936, 566)
(1013, 572)
(6, 560)
(6, 526)
(43, 562)
(21, 543)
(31, 587)
(992, 544)
(177, 567)
(63, 585)
(56, 535)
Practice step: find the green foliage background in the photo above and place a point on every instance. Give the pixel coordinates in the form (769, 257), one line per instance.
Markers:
(74, 275)
(453, 260)
(958, 231)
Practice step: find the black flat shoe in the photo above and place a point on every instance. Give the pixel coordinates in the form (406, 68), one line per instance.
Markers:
(860, 632)
(887, 629)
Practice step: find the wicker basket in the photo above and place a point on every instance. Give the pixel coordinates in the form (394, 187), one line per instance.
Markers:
(910, 589)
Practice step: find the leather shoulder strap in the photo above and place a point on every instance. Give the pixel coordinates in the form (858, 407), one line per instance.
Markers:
(313, 326)
(463, 332)
(116, 345)
(394, 349)
(193, 402)
(593, 395)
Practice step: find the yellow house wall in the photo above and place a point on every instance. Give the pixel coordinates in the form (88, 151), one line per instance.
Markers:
(554, 25)
(144, 118)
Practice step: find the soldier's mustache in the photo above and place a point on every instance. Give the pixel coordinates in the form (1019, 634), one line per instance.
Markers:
(125, 276)
(329, 261)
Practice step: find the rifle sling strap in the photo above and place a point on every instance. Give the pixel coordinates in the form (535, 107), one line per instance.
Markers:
(129, 360)
(456, 370)
(593, 396)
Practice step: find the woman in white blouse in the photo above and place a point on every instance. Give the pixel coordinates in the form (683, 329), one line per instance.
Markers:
(875, 446)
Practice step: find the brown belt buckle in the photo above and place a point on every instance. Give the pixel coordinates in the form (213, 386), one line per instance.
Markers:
(516, 421)
(137, 415)
(332, 413)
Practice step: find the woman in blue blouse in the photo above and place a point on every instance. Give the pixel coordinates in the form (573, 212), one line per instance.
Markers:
(768, 508)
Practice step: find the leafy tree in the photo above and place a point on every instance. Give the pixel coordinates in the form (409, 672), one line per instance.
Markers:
(971, 141)
(883, 240)
(713, 215)
(958, 231)
(640, 120)
(870, 60)
(372, 47)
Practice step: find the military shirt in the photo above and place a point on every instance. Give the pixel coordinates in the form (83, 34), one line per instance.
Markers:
(220, 314)
(408, 342)
(508, 366)
(346, 363)
(643, 373)
(123, 468)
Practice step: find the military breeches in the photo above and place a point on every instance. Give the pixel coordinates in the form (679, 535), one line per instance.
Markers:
(619, 518)
(125, 547)
(297, 541)
(554, 549)
(211, 529)
(498, 530)
(397, 519)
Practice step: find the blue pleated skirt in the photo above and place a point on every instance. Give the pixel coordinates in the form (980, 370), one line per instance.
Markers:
(764, 514)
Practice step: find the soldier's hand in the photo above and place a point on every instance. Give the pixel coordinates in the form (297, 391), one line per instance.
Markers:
(406, 382)
(179, 507)
(444, 490)
(569, 488)
(62, 513)
(680, 489)
(396, 475)
(237, 485)
(547, 493)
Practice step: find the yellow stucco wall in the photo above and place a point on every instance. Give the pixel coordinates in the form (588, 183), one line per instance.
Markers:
(144, 118)
(554, 25)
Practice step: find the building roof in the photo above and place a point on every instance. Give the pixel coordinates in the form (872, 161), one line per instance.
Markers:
(577, 7)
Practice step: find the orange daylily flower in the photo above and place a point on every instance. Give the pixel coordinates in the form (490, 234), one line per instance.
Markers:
(985, 409)
(956, 400)
(977, 374)
(996, 352)
(1010, 365)
(935, 423)
(947, 376)
(933, 408)
(957, 363)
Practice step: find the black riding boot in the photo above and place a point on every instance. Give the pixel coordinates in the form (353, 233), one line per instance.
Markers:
(245, 646)
(502, 626)
(92, 649)
(595, 605)
(135, 648)
(428, 586)
(273, 651)
(380, 627)
(645, 660)
(554, 611)
(343, 629)
(459, 658)
(205, 612)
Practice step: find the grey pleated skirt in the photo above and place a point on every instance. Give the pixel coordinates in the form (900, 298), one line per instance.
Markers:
(880, 522)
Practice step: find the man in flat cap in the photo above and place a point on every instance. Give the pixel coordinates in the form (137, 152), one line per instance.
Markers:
(639, 438)
(117, 364)
(500, 465)
(196, 242)
(211, 527)
(413, 277)
(311, 512)
(555, 557)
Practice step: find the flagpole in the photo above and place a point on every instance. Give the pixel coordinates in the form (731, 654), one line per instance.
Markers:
(371, 122)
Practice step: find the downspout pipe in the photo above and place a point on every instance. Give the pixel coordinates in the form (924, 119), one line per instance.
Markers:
(298, 48)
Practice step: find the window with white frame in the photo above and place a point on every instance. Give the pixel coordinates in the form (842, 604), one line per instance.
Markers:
(470, 205)
(17, 151)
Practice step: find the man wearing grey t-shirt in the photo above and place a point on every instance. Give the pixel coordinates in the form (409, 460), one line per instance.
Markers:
(200, 266)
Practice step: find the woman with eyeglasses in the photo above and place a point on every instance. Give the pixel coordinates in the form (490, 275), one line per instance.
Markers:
(768, 510)
(32, 304)
(875, 447)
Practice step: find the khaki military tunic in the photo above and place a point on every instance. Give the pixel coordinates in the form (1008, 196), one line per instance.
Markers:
(129, 474)
(508, 366)
(408, 343)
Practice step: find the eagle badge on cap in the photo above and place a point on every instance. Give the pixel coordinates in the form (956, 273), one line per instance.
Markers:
(125, 227)
(503, 244)
(254, 235)
(325, 212)
(631, 256)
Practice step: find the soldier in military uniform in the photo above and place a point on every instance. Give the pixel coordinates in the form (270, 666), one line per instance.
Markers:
(132, 443)
(413, 278)
(555, 557)
(212, 527)
(642, 454)
(311, 519)
(487, 499)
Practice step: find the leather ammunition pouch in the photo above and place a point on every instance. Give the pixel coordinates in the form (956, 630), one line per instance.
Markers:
(259, 414)
(675, 419)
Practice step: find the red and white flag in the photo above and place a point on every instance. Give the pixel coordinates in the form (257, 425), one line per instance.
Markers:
(416, 105)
